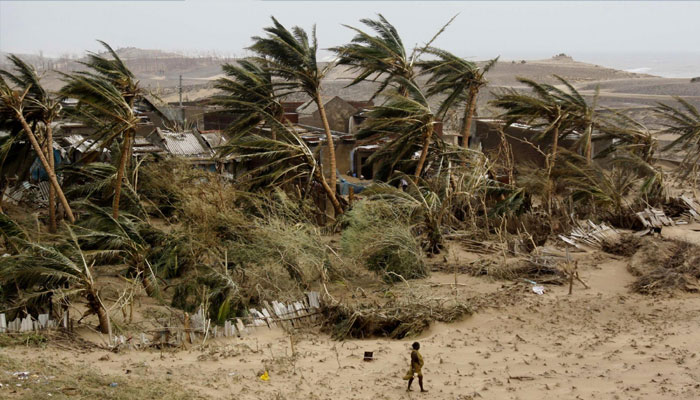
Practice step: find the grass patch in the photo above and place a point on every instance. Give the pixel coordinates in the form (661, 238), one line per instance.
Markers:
(60, 380)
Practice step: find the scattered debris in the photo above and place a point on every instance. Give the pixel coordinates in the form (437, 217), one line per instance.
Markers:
(654, 218)
(395, 320)
(589, 234)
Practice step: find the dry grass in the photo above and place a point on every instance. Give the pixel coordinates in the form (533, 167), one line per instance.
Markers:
(396, 319)
(381, 239)
(664, 266)
(538, 269)
(56, 379)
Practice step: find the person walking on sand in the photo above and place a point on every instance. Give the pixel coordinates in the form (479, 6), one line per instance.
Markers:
(416, 368)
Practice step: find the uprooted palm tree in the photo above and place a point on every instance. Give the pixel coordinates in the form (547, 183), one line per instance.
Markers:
(291, 57)
(460, 80)
(106, 95)
(60, 271)
(248, 87)
(17, 103)
(684, 121)
(409, 124)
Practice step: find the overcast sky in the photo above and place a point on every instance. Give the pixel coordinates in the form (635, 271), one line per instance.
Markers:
(483, 29)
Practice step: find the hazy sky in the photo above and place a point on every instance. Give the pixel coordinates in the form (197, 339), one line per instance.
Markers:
(483, 29)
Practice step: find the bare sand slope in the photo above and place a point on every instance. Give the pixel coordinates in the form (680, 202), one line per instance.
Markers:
(600, 343)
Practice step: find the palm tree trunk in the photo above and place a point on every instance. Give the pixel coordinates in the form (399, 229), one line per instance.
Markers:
(47, 167)
(330, 192)
(52, 191)
(555, 144)
(589, 144)
(468, 115)
(424, 152)
(96, 306)
(123, 158)
(329, 140)
(147, 284)
(551, 163)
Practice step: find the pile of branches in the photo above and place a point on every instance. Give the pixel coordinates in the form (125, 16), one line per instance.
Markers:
(395, 320)
(663, 266)
(535, 268)
(625, 245)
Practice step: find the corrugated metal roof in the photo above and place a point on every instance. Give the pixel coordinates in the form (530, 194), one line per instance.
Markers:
(184, 144)
(79, 142)
(214, 139)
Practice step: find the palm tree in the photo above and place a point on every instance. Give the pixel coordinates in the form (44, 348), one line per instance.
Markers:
(60, 270)
(41, 107)
(409, 120)
(541, 110)
(283, 159)
(291, 56)
(117, 239)
(457, 78)
(582, 114)
(14, 102)
(106, 94)
(684, 121)
(379, 56)
(247, 88)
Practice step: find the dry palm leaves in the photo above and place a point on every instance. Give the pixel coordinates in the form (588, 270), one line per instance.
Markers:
(395, 320)
(542, 269)
(664, 266)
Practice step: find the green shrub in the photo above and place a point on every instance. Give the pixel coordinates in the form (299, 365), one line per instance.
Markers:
(379, 236)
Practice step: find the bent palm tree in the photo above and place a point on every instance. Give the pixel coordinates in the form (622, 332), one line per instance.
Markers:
(460, 80)
(541, 110)
(41, 107)
(281, 160)
(291, 56)
(248, 87)
(684, 121)
(15, 102)
(382, 55)
(409, 120)
(106, 94)
(62, 271)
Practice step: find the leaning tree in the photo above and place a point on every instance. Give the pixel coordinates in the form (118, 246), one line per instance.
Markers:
(106, 94)
(291, 56)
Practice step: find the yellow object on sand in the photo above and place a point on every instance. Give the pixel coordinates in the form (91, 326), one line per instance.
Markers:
(265, 377)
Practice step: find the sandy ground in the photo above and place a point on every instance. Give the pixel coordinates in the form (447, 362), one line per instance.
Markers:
(599, 343)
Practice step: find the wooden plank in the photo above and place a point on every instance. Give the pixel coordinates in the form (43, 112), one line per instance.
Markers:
(3, 323)
(43, 321)
(314, 300)
(268, 318)
(241, 327)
